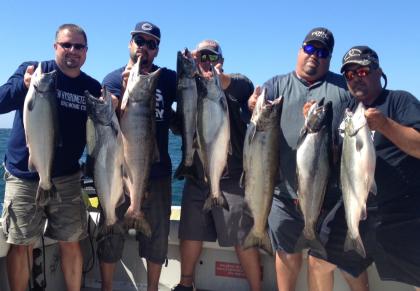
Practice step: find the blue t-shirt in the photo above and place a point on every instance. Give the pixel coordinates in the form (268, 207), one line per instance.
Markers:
(165, 96)
(71, 108)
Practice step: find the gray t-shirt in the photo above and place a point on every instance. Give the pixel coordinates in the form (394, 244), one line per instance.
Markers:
(296, 92)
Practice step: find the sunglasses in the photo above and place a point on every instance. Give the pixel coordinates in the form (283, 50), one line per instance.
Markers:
(321, 53)
(360, 72)
(208, 57)
(69, 45)
(140, 41)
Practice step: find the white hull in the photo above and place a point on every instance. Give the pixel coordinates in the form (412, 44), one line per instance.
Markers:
(218, 269)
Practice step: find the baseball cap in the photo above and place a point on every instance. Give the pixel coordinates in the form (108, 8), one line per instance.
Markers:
(322, 35)
(146, 27)
(361, 55)
(210, 45)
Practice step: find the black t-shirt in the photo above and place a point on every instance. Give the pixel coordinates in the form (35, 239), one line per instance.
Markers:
(397, 174)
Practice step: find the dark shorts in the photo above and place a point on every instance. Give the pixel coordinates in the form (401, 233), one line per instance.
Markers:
(393, 240)
(333, 232)
(157, 210)
(286, 225)
(228, 227)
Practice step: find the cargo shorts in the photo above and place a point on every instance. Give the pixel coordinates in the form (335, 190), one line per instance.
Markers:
(157, 211)
(24, 222)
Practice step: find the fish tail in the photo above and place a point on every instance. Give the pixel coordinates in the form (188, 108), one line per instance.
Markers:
(354, 244)
(313, 244)
(253, 240)
(140, 224)
(213, 201)
(186, 171)
(44, 195)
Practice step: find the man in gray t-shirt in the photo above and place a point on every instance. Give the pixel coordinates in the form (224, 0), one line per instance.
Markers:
(310, 81)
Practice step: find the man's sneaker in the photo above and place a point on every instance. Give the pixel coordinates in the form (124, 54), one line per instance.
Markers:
(180, 287)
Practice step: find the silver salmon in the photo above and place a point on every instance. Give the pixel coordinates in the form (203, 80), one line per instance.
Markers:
(313, 167)
(261, 163)
(138, 128)
(41, 130)
(187, 107)
(358, 162)
(105, 146)
(213, 135)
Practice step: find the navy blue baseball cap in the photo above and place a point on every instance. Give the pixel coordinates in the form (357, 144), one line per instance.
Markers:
(322, 35)
(147, 27)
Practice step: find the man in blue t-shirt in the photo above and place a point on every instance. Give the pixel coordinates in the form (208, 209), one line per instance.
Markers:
(145, 40)
(23, 218)
(391, 233)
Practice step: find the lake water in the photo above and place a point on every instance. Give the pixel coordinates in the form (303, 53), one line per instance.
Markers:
(174, 152)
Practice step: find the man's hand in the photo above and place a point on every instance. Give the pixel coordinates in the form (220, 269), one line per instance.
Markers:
(28, 75)
(375, 119)
(306, 107)
(253, 98)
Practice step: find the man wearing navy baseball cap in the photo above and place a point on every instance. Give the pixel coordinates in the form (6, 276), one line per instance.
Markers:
(310, 82)
(392, 230)
(144, 42)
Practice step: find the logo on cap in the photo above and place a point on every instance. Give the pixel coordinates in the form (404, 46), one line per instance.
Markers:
(352, 53)
(320, 34)
(147, 26)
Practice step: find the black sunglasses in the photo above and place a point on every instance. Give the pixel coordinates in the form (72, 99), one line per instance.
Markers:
(321, 53)
(209, 57)
(140, 41)
(69, 45)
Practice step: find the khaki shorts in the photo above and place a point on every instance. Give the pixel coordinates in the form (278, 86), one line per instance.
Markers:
(24, 223)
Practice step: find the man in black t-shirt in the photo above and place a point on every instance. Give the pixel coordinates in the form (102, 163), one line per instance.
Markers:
(391, 234)
(144, 41)
(228, 227)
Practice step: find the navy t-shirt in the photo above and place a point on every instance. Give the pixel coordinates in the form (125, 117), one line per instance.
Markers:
(71, 107)
(165, 96)
(397, 174)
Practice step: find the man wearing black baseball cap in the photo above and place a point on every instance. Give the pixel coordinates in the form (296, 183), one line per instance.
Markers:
(144, 42)
(392, 230)
(310, 81)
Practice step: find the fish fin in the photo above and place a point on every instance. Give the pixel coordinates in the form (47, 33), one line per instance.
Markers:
(302, 135)
(212, 202)
(31, 103)
(156, 154)
(354, 244)
(264, 242)
(186, 171)
(242, 180)
(252, 130)
(359, 143)
(374, 188)
(247, 211)
(363, 215)
(31, 165)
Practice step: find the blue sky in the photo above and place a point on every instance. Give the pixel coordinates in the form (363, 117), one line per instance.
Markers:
(259, 38)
